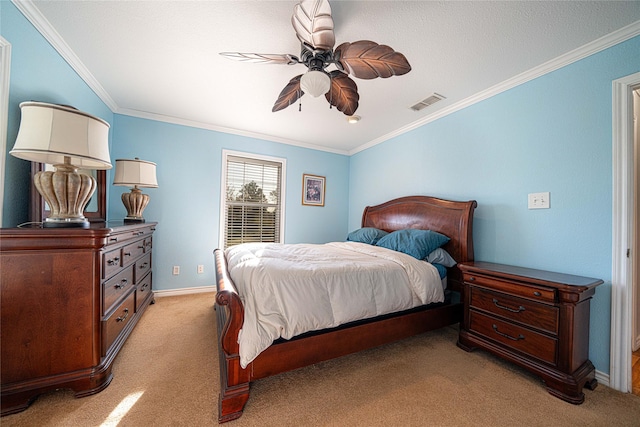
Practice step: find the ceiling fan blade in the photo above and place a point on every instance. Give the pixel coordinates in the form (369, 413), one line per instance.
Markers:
(365, 59)
(313, 24)
(343, 93)
(289, 94)
(261, 57)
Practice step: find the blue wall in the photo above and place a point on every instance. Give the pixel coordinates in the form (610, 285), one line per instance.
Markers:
(187, 202)
(551, 134)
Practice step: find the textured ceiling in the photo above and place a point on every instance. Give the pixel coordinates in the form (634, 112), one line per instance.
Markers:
(159, 59)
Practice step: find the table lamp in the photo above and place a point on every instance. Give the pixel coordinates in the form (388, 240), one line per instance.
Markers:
(69, 140)
(135, 173)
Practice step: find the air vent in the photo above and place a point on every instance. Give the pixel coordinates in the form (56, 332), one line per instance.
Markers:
(427, 102)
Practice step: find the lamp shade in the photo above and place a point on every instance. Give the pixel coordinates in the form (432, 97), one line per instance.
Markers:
(135, 172)
(48, 133)
(315, 83)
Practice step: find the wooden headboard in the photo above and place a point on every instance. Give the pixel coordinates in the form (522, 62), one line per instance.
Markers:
(451, 218)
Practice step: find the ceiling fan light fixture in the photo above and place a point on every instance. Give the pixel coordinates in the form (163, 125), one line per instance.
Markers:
(353, 119)
(315, 83)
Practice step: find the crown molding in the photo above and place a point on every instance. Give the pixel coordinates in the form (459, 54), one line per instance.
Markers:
(32, 13)
(611, 39)
(208, 126)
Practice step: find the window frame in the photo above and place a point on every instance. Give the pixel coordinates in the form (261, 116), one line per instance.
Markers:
(223, 188)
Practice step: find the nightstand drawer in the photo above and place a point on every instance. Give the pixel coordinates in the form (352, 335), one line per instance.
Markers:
(515, 337)
(115, 288)
(537, 293)
(533, 314)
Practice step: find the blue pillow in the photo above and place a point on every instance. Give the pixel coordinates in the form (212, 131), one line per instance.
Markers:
(417, 243)
(367, 235)
(442, 270)
(442, 257)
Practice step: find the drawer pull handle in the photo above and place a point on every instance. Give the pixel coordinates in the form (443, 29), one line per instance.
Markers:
(495, 329)
(127, 254)
(518, 310)
(113, 261)
(122, 284)
(113, 239)
(144, 287)
(472, 279)
(144, 265)
(123, 318)
(536, 293)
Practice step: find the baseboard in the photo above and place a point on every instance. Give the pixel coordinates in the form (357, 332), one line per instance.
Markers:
(183, 291)
(602, 378)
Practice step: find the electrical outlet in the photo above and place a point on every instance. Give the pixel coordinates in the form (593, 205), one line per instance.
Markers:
(176, 270)
(200, 269)
(539, 200)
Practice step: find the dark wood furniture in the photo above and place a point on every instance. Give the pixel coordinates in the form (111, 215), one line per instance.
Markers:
(454, 219)
(69, 300)
(536, 319)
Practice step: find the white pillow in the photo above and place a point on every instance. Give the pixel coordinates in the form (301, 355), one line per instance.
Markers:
(440, 256)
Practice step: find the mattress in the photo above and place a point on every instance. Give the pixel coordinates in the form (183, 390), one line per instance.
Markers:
(290, 289)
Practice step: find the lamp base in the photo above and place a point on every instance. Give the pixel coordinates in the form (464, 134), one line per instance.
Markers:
(66, 192)
(135, 202)
(54, 223)
(134, 220)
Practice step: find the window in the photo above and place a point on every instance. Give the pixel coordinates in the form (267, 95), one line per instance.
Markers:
(252, 199)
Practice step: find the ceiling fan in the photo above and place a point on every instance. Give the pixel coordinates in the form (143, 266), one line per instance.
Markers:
(363, 59)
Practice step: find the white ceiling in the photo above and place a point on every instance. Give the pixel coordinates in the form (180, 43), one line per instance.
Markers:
(159, 59)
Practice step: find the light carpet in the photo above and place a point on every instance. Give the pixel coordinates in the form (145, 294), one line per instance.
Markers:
(167, 375)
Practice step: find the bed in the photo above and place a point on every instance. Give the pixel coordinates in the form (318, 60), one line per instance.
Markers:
(453, 219)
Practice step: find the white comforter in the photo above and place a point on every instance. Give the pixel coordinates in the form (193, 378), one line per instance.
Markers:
(291, 289)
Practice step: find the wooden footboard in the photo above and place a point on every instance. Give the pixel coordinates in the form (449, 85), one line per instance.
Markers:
(234, 381)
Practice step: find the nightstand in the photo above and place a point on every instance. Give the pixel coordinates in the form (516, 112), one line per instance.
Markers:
(536, 319)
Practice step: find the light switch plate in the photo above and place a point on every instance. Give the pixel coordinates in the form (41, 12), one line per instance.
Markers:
(539, 200)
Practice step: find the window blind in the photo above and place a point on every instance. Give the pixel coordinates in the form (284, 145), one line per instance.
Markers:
(253, 202)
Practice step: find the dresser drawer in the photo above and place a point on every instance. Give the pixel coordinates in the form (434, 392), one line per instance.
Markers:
(537, 293)
(143, 266)
(148, 243)
(129, 235)
(533, 314)
(115, 288)
(113, 325)
(132, 251)
(111, 262)
(514, 337)
(143, 291)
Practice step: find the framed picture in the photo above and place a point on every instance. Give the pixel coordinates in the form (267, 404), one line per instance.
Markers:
(96, 209)
(313, 190)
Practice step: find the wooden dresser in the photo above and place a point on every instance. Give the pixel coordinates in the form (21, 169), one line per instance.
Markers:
(69, 299)
(536, 319)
